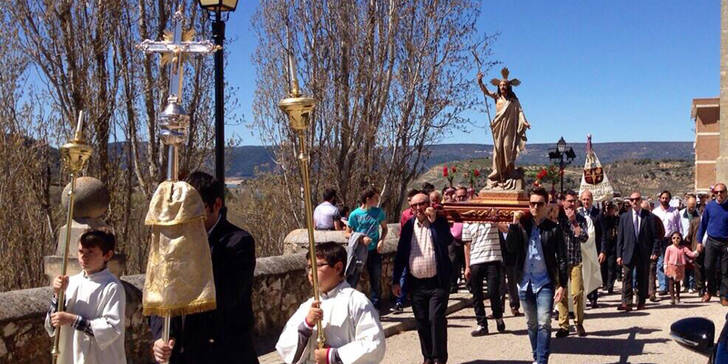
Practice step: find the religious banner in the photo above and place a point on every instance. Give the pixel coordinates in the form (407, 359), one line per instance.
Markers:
(594, 178)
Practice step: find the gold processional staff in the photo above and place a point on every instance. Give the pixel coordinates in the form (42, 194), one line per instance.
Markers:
(75, 155)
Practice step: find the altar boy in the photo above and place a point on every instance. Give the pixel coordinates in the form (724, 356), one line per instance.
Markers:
(93, 321)
(349, 320)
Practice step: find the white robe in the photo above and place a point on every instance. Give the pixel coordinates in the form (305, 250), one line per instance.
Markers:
(350, 323)
(100, 299)
(591, 271)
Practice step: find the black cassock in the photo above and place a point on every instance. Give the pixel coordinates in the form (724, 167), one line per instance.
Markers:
(223, 335)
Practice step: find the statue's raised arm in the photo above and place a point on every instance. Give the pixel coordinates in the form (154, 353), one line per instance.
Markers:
(484, 88)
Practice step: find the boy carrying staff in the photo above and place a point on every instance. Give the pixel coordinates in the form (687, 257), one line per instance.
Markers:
(95, 300)
(349, 320)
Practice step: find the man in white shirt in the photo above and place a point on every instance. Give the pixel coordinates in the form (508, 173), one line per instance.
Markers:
(326, 215)
(350, 322)
(670, 218)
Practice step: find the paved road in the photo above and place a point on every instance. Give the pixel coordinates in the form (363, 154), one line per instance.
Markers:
(612, 337)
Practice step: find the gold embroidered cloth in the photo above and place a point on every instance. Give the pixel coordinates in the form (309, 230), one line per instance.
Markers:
(179, 277)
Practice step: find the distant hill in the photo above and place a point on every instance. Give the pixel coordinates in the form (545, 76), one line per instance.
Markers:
(243, 160)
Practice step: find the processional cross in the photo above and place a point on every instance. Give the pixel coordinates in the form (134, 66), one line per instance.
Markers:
(173, 120)
(174, 47)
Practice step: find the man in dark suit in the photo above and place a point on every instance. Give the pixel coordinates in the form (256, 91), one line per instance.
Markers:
(423, 251)
(637, 244)
(223, 335)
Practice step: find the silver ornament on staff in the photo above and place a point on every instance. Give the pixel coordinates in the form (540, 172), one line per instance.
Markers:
(75, 155)
(174, 126)
(299, 110)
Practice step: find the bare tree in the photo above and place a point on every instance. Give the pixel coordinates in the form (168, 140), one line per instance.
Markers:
(390, 78)
(67, 56)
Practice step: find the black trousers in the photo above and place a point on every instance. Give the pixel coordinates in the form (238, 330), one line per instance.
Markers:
(642, 265)
(429, 303)
(609, 271)
(699, 270)
(716, 260)
(508, 283)
(457, 257)
(492, 272)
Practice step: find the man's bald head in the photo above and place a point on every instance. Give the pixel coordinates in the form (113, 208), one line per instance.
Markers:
(587, 199)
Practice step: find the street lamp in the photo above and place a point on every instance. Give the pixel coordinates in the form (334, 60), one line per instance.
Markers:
(564, 155)
(216, 9)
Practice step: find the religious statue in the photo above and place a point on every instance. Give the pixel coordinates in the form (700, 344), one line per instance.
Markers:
(509, 133)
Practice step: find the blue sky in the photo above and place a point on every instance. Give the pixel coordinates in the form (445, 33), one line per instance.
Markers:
(620, 70)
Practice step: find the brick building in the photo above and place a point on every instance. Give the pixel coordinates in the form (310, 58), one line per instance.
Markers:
(706, 113)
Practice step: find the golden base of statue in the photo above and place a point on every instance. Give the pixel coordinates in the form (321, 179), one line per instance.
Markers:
(494, 203)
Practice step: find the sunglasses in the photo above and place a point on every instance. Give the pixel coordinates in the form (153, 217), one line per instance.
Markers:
(536, 204)
(719, 191)
(635, 199)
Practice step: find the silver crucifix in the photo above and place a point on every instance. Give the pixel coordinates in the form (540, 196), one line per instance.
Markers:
(174, 47)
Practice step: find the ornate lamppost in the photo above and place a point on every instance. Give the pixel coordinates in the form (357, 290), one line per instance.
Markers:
(564, 155)
(218, 10)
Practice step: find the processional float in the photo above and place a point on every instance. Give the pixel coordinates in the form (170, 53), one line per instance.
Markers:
(75, 155)
(504, 197)
(179, 278)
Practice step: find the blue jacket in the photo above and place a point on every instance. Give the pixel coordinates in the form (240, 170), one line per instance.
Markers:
(441, 238)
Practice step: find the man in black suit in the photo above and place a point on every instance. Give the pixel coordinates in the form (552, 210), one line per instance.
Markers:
(223, 335)
(423, 251)
(637, 244)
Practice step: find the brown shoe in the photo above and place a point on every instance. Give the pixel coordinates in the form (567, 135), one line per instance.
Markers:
(641, 306)
(515, 312)
(625, 308)
(580, 330)
(724, 302)
(706, 298)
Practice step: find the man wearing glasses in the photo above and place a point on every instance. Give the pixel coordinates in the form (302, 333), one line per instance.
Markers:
(535, 248)
(637, 244)
(422, 250)
(715, 224)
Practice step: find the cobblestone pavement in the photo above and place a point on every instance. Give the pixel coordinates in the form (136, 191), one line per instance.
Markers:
(612, 336)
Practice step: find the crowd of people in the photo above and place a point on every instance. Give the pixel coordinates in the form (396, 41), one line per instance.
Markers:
(564, 253)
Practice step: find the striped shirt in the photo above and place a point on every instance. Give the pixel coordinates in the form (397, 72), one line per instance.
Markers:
(422, 263)
(484, 242)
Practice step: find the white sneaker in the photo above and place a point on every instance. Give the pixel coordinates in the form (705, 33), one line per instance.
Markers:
(691, 290)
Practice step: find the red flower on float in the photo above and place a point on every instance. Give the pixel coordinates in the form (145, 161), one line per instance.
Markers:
(542, 174)
(476, 173)
(444, 171)
(453, 169)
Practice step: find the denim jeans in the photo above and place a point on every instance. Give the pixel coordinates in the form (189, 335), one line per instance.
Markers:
(690, 278)
(374, 268)
(661, 281)
(402, 299)
(538, 307)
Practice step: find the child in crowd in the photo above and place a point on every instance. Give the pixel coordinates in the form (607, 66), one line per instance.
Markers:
(675, 264)
(349, 320)
(93, 320)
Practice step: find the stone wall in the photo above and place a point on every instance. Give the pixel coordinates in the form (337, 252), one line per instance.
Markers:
(280, 286)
